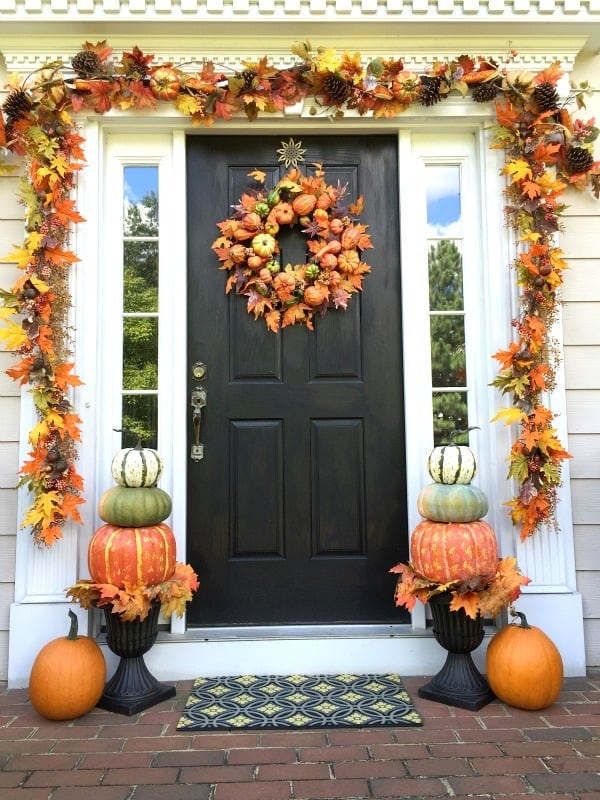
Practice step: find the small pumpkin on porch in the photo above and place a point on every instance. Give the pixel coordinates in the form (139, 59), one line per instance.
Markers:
(524, 666)
(134, 507)
(68, 676)
(136, 466)
(133, 556)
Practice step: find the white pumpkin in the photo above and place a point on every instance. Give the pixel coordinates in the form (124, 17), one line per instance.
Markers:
(136, 467)
(452, 463)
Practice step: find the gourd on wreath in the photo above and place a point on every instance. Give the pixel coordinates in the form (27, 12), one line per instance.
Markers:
(132, 555)
(524, 667)
(136, 466)
(454, 502)
(454, 551)
(68, 676)
(452, 463)
(134, 507)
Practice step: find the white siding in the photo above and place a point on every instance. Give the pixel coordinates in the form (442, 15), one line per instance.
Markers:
(581, 321)
(11, 233)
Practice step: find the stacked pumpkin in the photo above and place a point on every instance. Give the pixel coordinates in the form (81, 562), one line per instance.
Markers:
(135, 547)
(453, 542)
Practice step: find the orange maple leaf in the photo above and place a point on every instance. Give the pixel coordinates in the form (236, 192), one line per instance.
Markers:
(69, 509)
(468, 601)
(65, 211)
(507, 115)
(63, 378)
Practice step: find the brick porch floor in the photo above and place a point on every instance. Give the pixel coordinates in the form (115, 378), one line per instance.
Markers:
(497, 752)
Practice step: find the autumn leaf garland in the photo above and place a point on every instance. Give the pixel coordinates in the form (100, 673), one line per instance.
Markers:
(546, 149)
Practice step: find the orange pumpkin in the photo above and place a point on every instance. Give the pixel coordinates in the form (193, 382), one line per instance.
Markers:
(255, 262)
(315, 295)
(524, 666)
(350, 237)
(237, 253)
(336, 226)
(304, 204)
(251, 221)
(454, 551)
(144, 555)
(283, 213)
(68, 675)
(164, 83)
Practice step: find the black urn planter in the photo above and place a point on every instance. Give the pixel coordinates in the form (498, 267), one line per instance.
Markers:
(132, 688)
(459, 683)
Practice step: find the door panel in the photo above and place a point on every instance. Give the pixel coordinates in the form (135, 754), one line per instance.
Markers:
(298, 508)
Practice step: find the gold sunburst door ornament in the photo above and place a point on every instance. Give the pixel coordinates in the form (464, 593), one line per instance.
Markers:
(291, 153)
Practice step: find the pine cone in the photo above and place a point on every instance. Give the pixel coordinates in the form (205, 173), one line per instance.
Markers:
(248, 75)
(579, 160)
(484, 92)
(546, 97)
(16, 106)
(336, 89)
(86, 63)
(430, 90)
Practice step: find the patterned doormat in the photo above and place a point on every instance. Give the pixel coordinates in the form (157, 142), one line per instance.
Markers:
(271, 702)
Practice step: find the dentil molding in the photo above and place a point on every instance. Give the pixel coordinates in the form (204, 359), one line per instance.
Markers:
(25, 55)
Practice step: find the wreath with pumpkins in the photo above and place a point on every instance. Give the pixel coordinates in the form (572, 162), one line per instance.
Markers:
(293, 293)
(547, 149)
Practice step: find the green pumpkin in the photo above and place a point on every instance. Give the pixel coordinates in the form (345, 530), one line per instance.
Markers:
(134, 507)
(457, 502)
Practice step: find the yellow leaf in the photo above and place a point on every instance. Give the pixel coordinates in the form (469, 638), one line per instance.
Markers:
(39, 284)
(258, 175)
(34, 241)
(327, 60)
(20, 256)
(13, 335)
(510, 415)
(518, 170)
(43, 510)
(188, 104)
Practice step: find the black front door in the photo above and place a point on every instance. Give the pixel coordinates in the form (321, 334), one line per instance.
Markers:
(298, 508)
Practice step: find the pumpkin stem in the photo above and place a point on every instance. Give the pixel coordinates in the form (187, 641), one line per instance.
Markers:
(74, 626)
(456, 433)
(522, 618)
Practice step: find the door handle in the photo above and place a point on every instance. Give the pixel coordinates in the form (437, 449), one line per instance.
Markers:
(198, 403)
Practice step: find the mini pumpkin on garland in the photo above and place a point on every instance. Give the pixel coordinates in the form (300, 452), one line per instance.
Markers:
(293, 294)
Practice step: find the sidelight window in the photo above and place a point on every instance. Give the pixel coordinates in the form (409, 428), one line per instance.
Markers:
(446, 300)
(140, 316)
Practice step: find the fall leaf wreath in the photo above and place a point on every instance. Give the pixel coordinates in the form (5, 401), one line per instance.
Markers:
(294, 293)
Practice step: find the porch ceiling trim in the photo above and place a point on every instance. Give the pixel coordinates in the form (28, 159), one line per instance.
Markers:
(229, 50)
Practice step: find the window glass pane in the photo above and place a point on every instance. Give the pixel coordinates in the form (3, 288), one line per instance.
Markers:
(450, 413)
(140, 213)
(140, 353)
(140, 420)
(448, 363)
(445, 276)
(140, 276)
(443, 200)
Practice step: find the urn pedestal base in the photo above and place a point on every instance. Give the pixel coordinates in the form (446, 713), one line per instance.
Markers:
(132, 688)
(459, 683)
